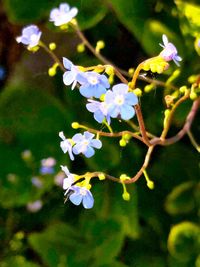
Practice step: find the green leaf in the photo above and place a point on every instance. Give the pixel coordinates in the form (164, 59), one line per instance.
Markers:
(184, 241)
(181, 199)
(17, 261)
(55, 244)
(138, 18)
(109, 203)
(104, 239)
(189, 17)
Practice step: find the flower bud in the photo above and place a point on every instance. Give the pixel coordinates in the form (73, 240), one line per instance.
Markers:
(75, 125)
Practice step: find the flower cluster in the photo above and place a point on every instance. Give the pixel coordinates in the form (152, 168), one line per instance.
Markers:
(106, 102)
(80, 144)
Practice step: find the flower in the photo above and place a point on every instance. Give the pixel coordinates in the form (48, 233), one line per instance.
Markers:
(69, 77)
(30, 36)
(47, 166)
(63, 14)
(120, 102)
(36, 182)
(69, 180)
(34, 206)
(100, 110)
(2, 73)
(66, 145)
(92, 84)
(81, 195)
(84, 144)
(169, 52)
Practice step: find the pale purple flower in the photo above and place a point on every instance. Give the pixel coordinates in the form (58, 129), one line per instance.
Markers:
(69, 180)
(169, 52)
(69, 77)
(36, 182)
(92, 84)
(120, 102)
(100, 110)
(47, 166)
(30, 36)
(85, 144)
(66, 145)
(58, 179)
(63, 14)
(34, 206)
(81, 195)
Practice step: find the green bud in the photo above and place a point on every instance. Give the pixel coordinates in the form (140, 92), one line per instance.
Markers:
(126, 196)
(122, 142)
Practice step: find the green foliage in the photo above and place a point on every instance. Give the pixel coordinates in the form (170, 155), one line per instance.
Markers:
(182, 199)
(17, 261)
(184, 241)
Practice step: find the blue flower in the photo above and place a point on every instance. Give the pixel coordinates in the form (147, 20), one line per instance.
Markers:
(47, 166)
(63, 14)
(2, 73)
(66, 145)
(169, 52)
(30, 36)
(69, 77)
(92, 84)
(69, 180)
(100, 110)
(120, 102)
(81, 195)
(84, 144)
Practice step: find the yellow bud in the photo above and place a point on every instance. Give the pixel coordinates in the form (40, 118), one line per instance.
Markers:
(88, 186)
(126, 196)
(19, 235)
(127, 136)
(109, 70)
(102, 176)
(148, 88)
(123, 177)
(52, 46)
(100, 44)
(64, 27)
(182, 89)
(33, 49)
(52, 71)
(80, 48)
(102, 97)
(193, 96)
(111, 79)
(131, 71)
(122, 142)
(137, 92)
(150, 184)
(75, 125)
(192, 78)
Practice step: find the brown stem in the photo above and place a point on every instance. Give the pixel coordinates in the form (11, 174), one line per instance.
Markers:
(169, 119)
(98, 55)
(144, 166)
(141, 124)
(188, 122)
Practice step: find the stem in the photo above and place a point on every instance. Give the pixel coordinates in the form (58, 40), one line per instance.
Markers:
(144, 166)
(193, 141)
(98, 55)
(169, 119)
(141, 124)
(186, 128)
(119, 134)
(53, 56)
(136, 74)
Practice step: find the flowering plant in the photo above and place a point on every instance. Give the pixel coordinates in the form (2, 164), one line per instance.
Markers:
(121, 102)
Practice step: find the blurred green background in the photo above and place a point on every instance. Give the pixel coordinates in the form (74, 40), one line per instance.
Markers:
(156, 228)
